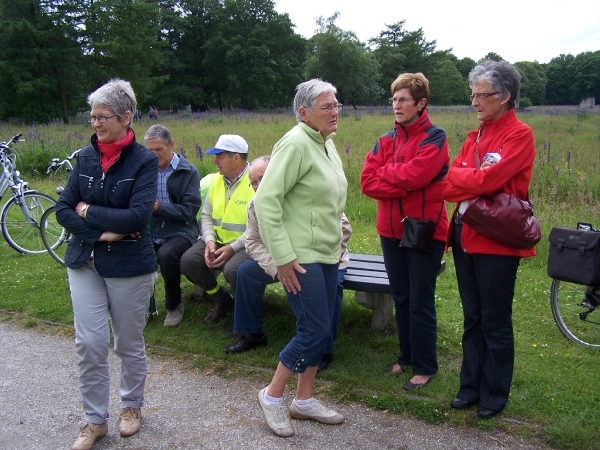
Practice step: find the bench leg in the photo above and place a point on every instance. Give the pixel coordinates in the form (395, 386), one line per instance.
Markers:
(381, 304)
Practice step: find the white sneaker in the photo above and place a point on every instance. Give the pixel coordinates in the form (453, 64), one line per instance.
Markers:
(315, 411)
(276, 416)
(174, 317)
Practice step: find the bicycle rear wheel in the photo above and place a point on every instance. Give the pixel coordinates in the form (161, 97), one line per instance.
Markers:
(54, 236)
(22, 235)
(577, 316)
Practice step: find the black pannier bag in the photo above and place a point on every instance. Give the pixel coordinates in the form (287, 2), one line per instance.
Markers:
(574, 256)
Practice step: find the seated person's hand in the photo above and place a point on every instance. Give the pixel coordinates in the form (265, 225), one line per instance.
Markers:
(209, 253)
(223, 255)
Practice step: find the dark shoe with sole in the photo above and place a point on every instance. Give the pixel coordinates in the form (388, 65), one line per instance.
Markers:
(246, 342)
(325, 361)
(459, 403)
(485, 413)
(409, 386)
(220, 309)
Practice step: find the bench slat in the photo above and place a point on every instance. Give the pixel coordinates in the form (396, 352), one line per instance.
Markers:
(376, 267)
(367, 284)
(366, 273)
(367, 258)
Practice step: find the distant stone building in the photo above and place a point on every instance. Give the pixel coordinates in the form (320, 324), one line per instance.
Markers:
(589, 102)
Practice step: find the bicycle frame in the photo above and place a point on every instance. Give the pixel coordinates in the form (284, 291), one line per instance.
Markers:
(56, 164)
(11, 178)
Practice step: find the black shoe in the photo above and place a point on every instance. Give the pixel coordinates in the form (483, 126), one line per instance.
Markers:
(325, 361)
(459, 403)
(485, 413)
(246, 342)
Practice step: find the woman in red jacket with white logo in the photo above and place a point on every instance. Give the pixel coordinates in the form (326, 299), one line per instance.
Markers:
(485, 269)
(404, 173)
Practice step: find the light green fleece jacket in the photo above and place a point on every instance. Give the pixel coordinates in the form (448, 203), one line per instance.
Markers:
(301, 197)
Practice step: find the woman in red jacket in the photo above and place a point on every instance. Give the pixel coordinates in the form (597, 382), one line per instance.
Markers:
(486, 270)
(403, 172)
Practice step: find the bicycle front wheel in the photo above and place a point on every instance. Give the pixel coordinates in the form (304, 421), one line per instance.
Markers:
(577, 318)
(54, 236)
(21, 234)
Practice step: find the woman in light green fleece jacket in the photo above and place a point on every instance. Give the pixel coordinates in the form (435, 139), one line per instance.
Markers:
(299, 206)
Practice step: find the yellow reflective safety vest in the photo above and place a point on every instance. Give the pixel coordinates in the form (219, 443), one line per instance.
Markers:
(229, 217)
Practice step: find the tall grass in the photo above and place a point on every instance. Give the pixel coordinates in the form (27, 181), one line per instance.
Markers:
(556, 390)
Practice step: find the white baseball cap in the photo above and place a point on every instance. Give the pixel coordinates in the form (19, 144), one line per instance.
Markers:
(229, 143)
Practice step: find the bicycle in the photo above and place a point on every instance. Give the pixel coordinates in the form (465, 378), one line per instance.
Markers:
(576, 307)
(20, 216)
(54, 236)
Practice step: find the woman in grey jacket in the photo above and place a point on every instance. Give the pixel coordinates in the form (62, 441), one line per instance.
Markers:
(107, 205)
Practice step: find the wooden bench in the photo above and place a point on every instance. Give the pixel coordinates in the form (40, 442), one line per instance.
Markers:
(366, 276)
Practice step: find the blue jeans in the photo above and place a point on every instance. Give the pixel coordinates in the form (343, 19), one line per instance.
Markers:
(250, 287)
(486, 284)
(252, 281)
(413, 276)
(314, 308)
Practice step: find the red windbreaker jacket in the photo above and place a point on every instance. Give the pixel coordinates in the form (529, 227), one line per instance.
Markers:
(404, 170)
(513, 140)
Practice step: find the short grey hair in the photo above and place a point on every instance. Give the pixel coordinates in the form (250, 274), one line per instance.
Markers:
(502, 76)
(117, 94)
(263, 159)
(307, 92)
(159, 132)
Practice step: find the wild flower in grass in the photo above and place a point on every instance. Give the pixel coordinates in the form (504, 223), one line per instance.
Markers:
(199, 153)
(348, 149)
(182, 152)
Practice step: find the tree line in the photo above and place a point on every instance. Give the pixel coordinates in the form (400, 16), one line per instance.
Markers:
(223, 54)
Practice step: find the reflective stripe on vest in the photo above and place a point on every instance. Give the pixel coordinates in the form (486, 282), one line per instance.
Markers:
(229, 217)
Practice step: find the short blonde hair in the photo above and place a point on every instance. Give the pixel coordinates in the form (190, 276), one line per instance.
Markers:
(416, 83)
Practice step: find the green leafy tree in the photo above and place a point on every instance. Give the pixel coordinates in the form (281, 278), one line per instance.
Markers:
(121, 38)
(186, 26)
(465, 66)
(398, 50)
(586, 76)
(40, 61)
(533, 82)
(447, 85)
(560, 80)
(339, 57)
(492, 56)
(253, 58)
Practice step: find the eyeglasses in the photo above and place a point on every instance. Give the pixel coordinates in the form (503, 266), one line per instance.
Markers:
(329, 108)
(255, 183)
(402, 100)
(481, 95)
(100, 119)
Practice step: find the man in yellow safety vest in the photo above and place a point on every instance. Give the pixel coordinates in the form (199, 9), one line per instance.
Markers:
(223, 222)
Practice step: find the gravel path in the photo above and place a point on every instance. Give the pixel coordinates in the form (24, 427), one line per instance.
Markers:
(40, 408)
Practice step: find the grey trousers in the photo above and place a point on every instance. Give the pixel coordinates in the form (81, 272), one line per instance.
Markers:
(125, 301)
(195, 269)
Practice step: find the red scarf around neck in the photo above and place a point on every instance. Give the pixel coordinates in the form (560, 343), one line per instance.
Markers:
(110, 152)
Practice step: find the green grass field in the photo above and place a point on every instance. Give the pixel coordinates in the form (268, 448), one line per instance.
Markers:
(555, 396)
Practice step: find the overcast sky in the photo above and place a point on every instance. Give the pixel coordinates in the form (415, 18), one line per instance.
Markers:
(517, 30)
